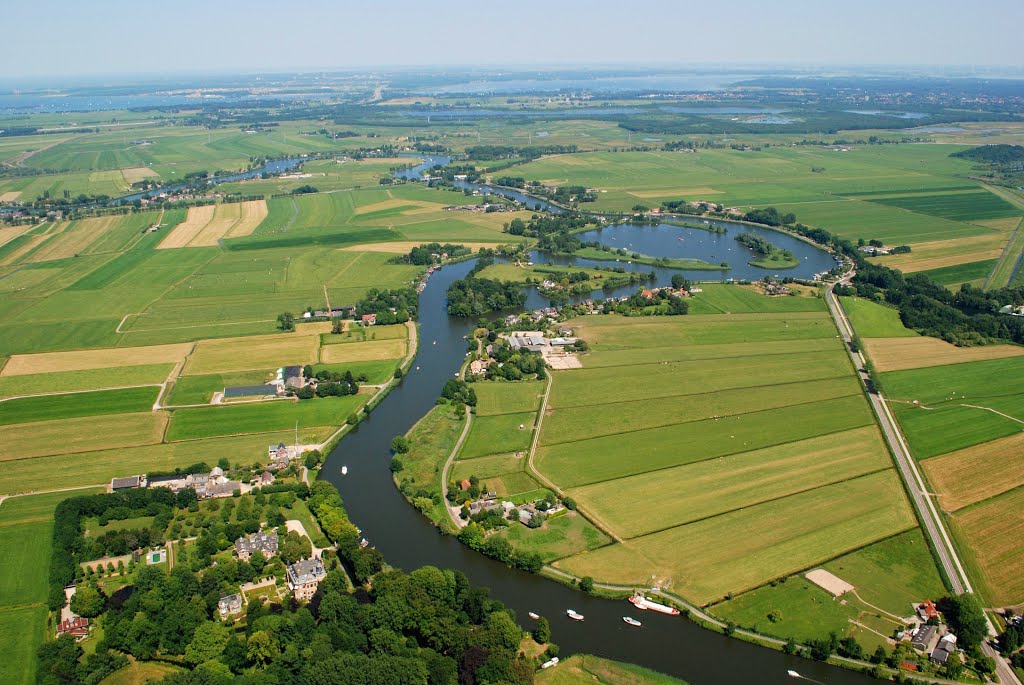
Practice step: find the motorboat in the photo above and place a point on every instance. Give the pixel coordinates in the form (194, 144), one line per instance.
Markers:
(632, 621)
(573, 615)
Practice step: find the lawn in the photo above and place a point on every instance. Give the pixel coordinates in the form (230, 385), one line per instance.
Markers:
(498, 434)
(874, 320)
(559, 537)
(507, 398)
(798, 609)
(92, 379)
(74, 405)
(262, 417)
(93, 527)
(583, 669)
(708, 559)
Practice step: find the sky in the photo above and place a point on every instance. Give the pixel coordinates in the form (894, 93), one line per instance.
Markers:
(72, 38)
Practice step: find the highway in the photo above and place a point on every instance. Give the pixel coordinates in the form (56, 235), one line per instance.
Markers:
(923, 504)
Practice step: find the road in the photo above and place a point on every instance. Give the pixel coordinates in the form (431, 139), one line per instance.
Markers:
(923, 504)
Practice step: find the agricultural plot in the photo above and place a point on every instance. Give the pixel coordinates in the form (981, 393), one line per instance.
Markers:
(83, 360)
(956, 205)
(948, 253)
(25, 441)
(263, 417)
(91, 379)
(200, 389)
(558, 538)
(507, 398)
(205, 226)
(897, 354)
(498, 434)
(993, 530)
(974, 273)
(737, 299)
(874, 320)
(252, 353)
(977, 473)
(708, 559)
(372, 350)
(73, 405)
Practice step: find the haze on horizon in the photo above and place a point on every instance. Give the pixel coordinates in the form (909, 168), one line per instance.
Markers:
(74, 39)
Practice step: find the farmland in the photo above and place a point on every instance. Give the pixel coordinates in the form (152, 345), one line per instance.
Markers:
(773, 425)
(896, 354)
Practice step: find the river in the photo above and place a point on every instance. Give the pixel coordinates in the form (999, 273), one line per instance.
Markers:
(408, 540)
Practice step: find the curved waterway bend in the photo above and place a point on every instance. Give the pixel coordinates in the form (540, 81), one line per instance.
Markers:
(408, 540)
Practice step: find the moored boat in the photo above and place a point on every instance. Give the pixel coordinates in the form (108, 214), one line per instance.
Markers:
(573, 615)
(553, 661)
(641, 602)
(533, 615)
(632, 621)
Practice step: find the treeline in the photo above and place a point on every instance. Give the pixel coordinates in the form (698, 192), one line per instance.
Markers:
(554, 232)
(769, 216)
(487, 152)
(429, 253)
(403, 301)
(993, 154)
(469, 297)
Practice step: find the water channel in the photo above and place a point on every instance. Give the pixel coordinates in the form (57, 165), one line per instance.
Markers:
(408, 540)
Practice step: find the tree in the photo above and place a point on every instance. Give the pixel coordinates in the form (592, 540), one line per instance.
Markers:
(587, 584)
(88, 600)
(542, 631)
(295, 547)
(261, 648)
(967, 619)
(400, 444)
(286, 321)
(208, 642)
(337, 326)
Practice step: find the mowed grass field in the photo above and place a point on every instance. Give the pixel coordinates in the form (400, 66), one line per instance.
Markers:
(993, 531)
(262, 417)
(682, 458)
(53, 407)
(874, 320)
(977, 473)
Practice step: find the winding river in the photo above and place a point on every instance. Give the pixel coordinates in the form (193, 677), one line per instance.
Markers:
(408, 540)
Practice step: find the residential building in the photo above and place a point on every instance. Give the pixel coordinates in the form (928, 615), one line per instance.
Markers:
(304, 577)
(76, 626)
(265, 542)
(229, 604)
(369, 319)
(926, 610)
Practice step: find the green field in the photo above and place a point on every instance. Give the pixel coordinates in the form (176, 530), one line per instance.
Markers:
(975, 273)
(498, 434)
(558, 538)
(199, 389)
(583, 669)
(874, 320)
(50, 407)
(960, 404)
(262, 417)
(958, 205)
(92, 379)
(507, 398)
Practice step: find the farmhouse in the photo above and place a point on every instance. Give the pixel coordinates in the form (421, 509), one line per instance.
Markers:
(532, 341)
(478, 367)
(369, 319)
(229, 604)
(924, 637)
(945, 648)
(265, 543)
(926, 610)
(304, 577)
(279, 452)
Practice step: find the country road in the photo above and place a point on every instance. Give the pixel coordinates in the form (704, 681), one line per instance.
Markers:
(923, 504)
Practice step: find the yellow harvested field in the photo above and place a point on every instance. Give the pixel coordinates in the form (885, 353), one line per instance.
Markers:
(253, 212)
(10, 196)
(74, 238)
(139, 173)
(252, 353)
(13, 256)
(107, 358)
(935, 254)
(1004, 224)
(315, 327)
(225, 217)
(994, 531)
(896, 354)
(195, 221)
(746, 548)
(403, 246)
(67, 436)
(978, 472)
(9, 233)
(695, 193)
(371, 350)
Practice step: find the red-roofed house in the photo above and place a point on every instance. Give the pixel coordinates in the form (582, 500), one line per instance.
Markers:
(77, 627)
(369, 319)
(465, 485)
(646, 294)
(926, 610)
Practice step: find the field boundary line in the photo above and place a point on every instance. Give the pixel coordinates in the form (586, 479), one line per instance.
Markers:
(30, 493)
(758, 503)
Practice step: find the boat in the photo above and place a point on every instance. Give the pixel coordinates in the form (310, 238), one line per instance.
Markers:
(533, 615)
(632, 621)
(573, 615)
(641, 602)
(553, 661)
(793, 674)
(344, 470)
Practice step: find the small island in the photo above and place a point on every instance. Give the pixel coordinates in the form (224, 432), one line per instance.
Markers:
(771, 256)
(599, 252)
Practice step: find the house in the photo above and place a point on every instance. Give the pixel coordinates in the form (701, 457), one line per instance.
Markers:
(926, 610)
(76, 626)
(293, 376)
(279, 452)
(265, 543)
(265, 478)
(346, 312)
(369, 319)
(225, 489)
(130, 483)
(229, 604)
(923, 637)
(483, 505)
(945, 648)
(304, 577)
(478, 367)
(646, 294)
(565, 331)
(532, 341)
(465, 485)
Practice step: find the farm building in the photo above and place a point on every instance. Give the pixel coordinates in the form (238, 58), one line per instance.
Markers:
(129, 483)
(304, 577)
(250, 390)
(923, 638)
